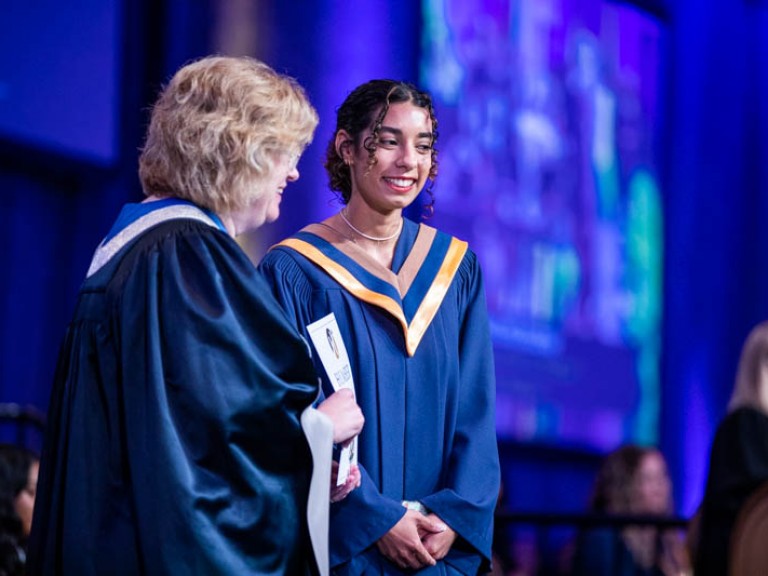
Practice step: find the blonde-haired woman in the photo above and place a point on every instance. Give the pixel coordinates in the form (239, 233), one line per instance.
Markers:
(175, 441)
(738, 462)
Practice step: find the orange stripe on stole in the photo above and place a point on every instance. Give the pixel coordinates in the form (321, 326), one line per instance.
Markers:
(346, 279)
(429, 305)
(434, 297)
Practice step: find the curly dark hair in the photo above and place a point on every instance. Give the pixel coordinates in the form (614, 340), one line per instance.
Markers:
(365, 107)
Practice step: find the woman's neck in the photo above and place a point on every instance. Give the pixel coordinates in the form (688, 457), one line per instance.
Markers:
(380, 248)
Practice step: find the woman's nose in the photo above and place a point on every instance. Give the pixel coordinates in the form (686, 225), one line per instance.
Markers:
(408, 156)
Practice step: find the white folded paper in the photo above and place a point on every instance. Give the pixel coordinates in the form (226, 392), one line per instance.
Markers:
(330, 348)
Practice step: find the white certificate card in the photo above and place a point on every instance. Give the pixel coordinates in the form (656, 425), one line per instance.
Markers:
(330, 348)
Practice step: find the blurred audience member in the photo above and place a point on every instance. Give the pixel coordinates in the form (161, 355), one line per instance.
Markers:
(18, 484)
(503, 553)
(738, 462)
(632, 481)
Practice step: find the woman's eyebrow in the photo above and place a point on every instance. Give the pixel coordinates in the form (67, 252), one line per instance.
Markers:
(398, 132)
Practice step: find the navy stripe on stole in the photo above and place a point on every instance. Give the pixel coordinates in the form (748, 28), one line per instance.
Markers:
(426, 275)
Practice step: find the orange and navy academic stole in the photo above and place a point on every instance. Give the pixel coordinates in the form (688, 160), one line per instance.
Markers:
(413, 296)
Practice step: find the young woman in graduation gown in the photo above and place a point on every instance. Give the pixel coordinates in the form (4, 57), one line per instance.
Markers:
(410, 305)
(174, 441)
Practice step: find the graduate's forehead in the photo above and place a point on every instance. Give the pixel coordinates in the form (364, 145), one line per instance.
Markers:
(405, 119)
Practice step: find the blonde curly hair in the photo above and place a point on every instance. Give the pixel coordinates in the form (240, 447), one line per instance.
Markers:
(216, 129)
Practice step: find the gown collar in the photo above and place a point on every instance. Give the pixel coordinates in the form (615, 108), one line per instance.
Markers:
(426, 259)
(134, 219)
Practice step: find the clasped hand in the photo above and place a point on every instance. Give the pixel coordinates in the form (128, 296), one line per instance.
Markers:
(417, 541)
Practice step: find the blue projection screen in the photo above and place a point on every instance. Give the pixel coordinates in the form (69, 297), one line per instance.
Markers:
(548, 117)
(59, 76)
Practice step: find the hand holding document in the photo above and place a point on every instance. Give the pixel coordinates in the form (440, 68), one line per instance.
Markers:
(330, 348)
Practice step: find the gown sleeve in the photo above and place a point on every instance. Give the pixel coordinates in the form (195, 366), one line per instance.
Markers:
(178, 445)
(472, 477)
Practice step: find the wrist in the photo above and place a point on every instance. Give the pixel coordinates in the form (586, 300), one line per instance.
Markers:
(416, 506)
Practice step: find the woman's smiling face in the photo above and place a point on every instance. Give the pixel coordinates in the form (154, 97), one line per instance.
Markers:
(403, 160)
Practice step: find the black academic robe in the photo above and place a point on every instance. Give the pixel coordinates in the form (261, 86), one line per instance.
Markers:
(173, 443)
(738, 465)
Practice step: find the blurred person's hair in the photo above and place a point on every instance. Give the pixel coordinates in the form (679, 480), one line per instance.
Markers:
(612, 492)
(15, 463)
(751, 386)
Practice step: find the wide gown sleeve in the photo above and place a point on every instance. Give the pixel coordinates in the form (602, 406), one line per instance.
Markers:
(178, 447)
(226, 379)
(472, 476)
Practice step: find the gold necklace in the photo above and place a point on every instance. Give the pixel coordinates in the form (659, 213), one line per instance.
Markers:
(367, 236)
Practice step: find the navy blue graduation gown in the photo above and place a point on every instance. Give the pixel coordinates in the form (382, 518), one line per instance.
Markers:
(422, 364)
(173, 443)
